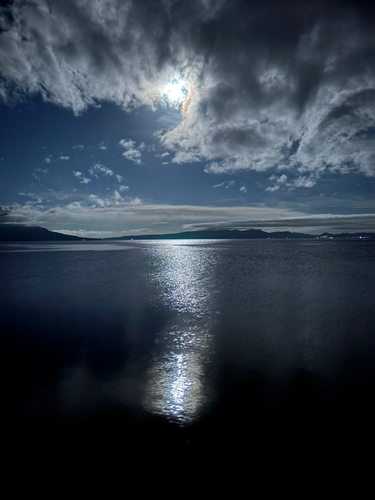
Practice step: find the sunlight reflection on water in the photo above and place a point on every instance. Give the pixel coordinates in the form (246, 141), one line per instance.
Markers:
(182, 276)
(176, 387)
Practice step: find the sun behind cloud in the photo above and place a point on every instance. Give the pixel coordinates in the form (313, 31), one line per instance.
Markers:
(176, 93)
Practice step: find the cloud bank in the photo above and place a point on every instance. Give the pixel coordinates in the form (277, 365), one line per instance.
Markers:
(117, 216)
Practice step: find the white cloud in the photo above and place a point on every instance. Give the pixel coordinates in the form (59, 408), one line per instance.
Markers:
(243, 189)
(81, 177)
(279, 181)
(226, 184)
(102, 169)
(303, 99)
(109, 214)
(132, 153)
(79, 146)
(186, 157)
(127, 143)
(304, 181)
(64, 158)
(114, 201)
(135, 201)
(47, 159)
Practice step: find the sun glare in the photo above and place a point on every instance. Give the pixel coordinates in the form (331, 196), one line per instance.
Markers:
(175, 93)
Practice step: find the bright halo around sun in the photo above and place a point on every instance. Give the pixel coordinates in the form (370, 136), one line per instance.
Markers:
(175, 93)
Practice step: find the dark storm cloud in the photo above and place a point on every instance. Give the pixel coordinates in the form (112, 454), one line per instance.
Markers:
(287, 85)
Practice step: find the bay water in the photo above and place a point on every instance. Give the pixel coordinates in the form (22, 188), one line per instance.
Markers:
(190, 345)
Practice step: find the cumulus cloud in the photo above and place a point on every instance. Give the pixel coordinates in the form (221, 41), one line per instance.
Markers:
(79, 146)
(133, 155)
(81, 177)
(114, 200)
(268, 87)
(302, 181)
(279, 181)
(132, 152)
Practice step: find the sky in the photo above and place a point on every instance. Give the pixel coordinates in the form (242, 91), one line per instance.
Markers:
(127, 117)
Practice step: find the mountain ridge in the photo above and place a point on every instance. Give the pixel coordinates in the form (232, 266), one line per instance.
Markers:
(18, 232)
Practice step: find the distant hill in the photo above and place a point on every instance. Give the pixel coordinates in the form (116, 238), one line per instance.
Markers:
(217, 235)
(17, 232)
(240, 235)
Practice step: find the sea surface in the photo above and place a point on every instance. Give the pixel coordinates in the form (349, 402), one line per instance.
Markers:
(222, 345)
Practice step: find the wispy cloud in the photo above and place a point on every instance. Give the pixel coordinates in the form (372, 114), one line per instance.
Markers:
(120, 214)
(34, 198)
(39, 172)
(226, 184)
(99, 168)
(311, 224)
